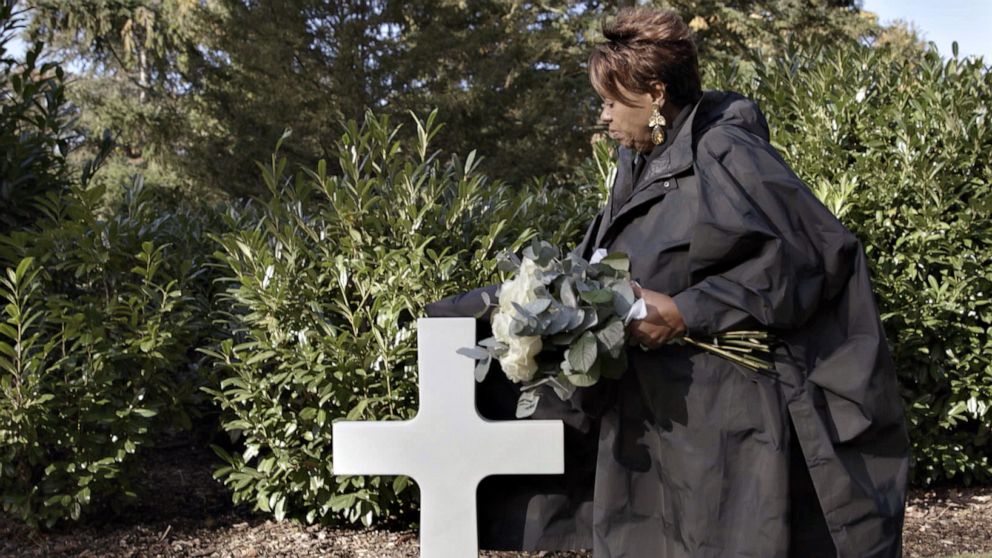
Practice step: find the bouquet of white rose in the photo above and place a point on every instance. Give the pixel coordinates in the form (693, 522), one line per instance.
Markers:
(562, 321)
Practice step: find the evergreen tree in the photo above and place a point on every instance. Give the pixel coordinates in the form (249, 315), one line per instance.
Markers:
(198, 91)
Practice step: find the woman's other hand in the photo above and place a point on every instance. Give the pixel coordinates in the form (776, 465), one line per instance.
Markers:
(662, 324)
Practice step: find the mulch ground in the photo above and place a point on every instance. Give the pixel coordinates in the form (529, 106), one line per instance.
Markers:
(191, 515)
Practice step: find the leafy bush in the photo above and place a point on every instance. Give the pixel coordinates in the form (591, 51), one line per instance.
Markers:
(99, 319)
(898, 148)
(98, 314)
(35, 123)
(324, 290)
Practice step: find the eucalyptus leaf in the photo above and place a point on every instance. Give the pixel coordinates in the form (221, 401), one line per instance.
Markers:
(527, 403)
(598, 296)
(577, 319)
(587, 378)
(612, 336)
(562, 386)
(507, 266)
(482, 368)
(582, 353)
(618, 261)
(488, 342)
(523, 313)
(567, 293)
(474, 353)
(560, 319)
(537, 306)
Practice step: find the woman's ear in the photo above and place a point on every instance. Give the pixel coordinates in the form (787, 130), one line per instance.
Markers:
(659, 95)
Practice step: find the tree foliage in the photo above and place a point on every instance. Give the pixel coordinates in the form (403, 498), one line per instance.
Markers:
(198, 91)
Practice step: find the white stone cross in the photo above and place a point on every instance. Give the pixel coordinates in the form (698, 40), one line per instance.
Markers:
(447, 448)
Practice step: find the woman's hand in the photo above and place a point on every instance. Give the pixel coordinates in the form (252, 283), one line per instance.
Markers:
(662, 324)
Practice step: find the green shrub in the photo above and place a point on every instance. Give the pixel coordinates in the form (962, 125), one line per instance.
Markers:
(324, 290)
(100, 312)
(35, 134)
(898, 148)
(96, 335)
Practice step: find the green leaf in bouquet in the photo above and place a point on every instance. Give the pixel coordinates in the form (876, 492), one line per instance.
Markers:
(560, 318)
(566, 292)
(597, 296)
(527, 403)
(593, 271)
(548, 276)
(621, 306)
(574, 264)
(519, 327)
(508, 262)
(618, 261)
(541, 251)
(481, 354)
(528, 327)
(578, 319)
(581, 355)
(621, 286)
(612, 336)
(488, 342)
(482, 369)
(565, 338)
(474, 353)
(562, 386)
(537, 306)
(566, 265)
(575, 328)
(522, 312)
(623, 295)
(525, 323)
(585, 379)
(589, 320)
(604, 272)
(606, 311)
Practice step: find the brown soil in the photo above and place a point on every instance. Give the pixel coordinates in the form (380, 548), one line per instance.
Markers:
(191, 515)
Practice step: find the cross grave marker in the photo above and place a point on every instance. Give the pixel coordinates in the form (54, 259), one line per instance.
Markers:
(447, 448)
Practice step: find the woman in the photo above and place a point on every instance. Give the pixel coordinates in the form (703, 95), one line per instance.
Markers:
(696, 456)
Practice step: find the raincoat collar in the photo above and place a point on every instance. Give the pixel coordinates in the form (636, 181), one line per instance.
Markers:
(713, 108)
(675, 157)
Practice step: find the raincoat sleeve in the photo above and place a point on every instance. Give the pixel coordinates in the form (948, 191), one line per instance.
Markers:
(464, 305)
(764, 250)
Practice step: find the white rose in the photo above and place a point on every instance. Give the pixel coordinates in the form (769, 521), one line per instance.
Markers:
(521, 288)
(518, 363)
(501, 327)
(508, 292)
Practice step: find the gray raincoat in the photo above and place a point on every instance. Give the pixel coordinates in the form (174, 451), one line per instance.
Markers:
(689, 454)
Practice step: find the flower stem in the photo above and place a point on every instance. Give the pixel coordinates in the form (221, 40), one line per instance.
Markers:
(754, 364)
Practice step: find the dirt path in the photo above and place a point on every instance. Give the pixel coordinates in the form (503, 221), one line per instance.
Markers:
(191, 516)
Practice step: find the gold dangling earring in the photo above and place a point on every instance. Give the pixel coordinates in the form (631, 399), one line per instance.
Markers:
(657, 124)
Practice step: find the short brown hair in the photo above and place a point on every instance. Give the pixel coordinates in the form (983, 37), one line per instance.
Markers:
(645, 46)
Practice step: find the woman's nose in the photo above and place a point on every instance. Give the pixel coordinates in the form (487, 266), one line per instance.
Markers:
(604, 116)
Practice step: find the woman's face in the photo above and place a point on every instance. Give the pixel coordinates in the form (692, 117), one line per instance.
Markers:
(628, 125)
